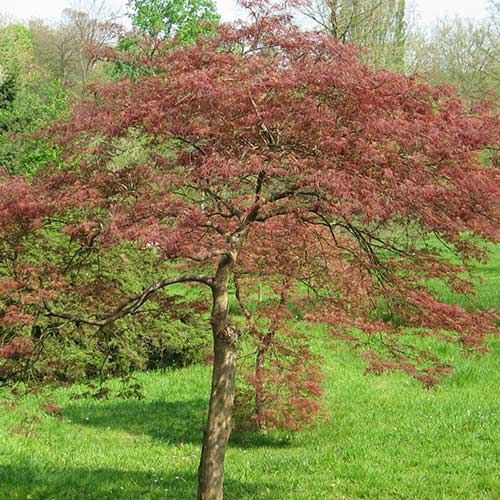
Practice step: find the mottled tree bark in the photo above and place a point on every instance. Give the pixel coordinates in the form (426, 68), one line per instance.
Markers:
(218, 428)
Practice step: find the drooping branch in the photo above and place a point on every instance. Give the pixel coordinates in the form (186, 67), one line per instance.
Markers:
(208, 256)
(133, 304)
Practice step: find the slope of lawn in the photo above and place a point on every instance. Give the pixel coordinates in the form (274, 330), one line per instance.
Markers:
(384, 437)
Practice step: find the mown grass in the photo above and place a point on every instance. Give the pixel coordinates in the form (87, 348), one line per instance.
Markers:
(486, 277)
(384, 437)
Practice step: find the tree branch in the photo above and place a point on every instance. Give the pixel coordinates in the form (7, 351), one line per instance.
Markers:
(208, 256)
(133, 303)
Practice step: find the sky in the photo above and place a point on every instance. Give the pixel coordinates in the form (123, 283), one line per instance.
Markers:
(427, 10)
(430, 10)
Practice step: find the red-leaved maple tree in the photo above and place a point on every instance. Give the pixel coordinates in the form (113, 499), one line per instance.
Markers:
(270, 161)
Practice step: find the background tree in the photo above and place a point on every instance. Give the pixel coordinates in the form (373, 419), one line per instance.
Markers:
(16, 54)
(92, 26)
(380, 26)
(29, 99)
(6, 19)
(259, 137)
(55, 49)
(67, 49)
(42, 66)
(463, 53)
(158, 19)
(184, 19)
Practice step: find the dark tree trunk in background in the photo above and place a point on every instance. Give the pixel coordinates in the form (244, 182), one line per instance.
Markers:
(259, 388)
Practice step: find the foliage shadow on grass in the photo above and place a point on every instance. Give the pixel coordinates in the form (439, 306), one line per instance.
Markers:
(19, 482)
(175, 422)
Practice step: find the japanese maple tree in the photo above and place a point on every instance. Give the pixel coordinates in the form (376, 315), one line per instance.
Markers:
(270, 158)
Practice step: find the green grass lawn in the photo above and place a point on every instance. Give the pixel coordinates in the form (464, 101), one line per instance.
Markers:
(487, 279)
(384, 437)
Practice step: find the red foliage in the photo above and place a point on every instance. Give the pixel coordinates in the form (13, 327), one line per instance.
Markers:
(276, 149)
(285, 394)
(51, 408)
(18, 347)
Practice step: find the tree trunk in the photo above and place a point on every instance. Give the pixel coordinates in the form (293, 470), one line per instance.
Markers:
(218, 428)
(260, 403)
(259, 389)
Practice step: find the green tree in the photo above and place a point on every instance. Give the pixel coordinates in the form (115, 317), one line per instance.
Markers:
(34, 106)
(27, 101)
(15, 57)
(184, 19)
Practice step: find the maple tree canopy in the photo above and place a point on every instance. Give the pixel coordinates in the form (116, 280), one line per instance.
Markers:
(281, 137)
